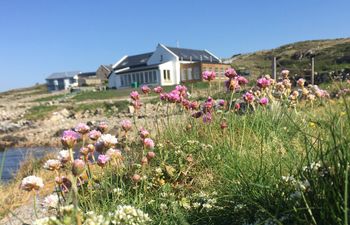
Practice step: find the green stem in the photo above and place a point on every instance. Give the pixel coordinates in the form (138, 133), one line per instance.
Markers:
(35, 209)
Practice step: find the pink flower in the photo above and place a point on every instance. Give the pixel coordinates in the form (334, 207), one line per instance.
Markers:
(102, 160)
(84, 151)
(237, 106)
(78, 167)
(91, 148)
(186, 104)
(145, 89)
(194, 105)
(263, 83)
(174, 96)
(285, 73)
(103, 127)
(248, 97)
(209, 75)
(221, 102)
(82, 128)
(301, 82)
(148, 143)
(264, 101)
(158, 89)
(182, 89)
(136, 178)
(150, 155)
(144, 161)
(208, 104)
(242, 80)
(134, 95)
(69, 138)
(94, 135)
(126, 125)
(231, 73)
(164, 97)
(223, 125)
(143, 133)
(232, 84)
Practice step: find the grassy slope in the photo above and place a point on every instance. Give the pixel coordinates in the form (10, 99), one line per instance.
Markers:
(331, 55)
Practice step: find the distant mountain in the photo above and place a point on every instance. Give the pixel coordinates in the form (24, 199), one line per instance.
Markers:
(330, 55)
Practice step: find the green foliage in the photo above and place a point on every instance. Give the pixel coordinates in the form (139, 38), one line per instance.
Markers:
(39, 112)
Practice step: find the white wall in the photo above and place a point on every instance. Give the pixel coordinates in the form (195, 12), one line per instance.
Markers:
(171, 62)
(171, 67)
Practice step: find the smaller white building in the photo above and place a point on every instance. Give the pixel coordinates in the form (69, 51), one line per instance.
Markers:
(165, 66)
(62, 81)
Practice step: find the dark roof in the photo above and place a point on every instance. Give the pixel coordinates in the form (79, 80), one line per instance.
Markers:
(194, 55)
(134, 61)
(140, 68)
(87, 74)
(63, 75)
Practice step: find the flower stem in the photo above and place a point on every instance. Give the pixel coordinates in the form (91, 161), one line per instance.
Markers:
(35, 209)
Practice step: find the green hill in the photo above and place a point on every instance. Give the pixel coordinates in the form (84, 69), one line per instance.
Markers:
(330, 55)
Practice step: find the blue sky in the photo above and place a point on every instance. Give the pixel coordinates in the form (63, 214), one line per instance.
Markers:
(39, 37)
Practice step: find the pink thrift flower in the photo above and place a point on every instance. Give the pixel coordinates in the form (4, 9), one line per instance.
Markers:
(134, 95)
(208, 75)
(237, 106)
(164, 97)
(102, 160)
(231, 73)
(78, 167)
(145, 89)
(94, 135)
(285, 73)
(158, 89)
(32, 183)
(301, 82)
(263, 83)
(150, 155)
(136, 178)
(197, 114)
(148, 143)
(264, 101)
(194, 105)
(248, 97)
(103, 127)
(186, 104)
(174, 96)
(242, 80)
(69, 138)
(232, 84)
(143, 133)
(82, 128)
(126, 125)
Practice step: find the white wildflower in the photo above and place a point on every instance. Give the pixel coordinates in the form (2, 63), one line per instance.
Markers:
(50, 201)
(32, 183)
(63, 156)
(108, 140)
(52, 164)
(128, 215)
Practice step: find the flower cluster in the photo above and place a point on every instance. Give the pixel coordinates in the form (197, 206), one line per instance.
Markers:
(129, 215)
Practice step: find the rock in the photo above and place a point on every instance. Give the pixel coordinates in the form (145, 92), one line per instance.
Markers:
(9, 140)
(8, 126)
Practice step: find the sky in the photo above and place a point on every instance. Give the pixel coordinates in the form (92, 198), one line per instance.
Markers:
(39, 37)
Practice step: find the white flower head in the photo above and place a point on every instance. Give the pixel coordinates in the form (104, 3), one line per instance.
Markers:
(108, 140)
(32, 183)
(50, 201)
(63, 156)
(52, 164)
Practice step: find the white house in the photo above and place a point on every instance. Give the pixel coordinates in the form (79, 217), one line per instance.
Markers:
(62, 81)
(165, 66)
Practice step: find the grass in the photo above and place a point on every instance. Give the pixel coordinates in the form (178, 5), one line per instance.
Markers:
(51, 98)
(39, 112)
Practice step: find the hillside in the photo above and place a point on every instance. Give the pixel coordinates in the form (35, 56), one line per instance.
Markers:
(330, 55)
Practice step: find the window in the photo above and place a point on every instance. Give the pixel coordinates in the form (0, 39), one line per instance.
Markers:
(129, 79)
(146, 77)
(154, 76)
(161, 58)
(166, 75)
(141, 78)
(133, 77)
(121, 80)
